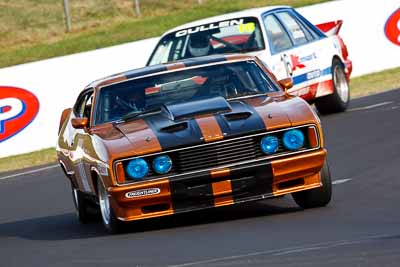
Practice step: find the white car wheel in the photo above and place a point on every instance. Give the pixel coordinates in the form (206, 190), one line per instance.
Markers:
(84, 208)
(340, 83)
(104, 202)
(110, 221)
(339, 100)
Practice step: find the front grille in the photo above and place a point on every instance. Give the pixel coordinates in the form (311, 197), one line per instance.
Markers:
(217, 154)
(221, 153)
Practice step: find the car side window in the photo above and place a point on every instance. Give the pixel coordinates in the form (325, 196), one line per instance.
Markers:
(88, 107)
(177, 50)
(307, 26)
(278, 38)
(162, 53)
(83, 105)
(299, 35)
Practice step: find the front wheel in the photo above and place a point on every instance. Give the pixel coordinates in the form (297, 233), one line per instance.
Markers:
(339, 100)
(110, 221)
(86, 211)
(318, 197)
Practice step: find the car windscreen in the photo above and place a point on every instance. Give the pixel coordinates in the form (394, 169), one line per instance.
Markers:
(230, 80)
(230, 36)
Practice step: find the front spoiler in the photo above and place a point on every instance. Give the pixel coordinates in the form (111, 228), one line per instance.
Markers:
(219, 187)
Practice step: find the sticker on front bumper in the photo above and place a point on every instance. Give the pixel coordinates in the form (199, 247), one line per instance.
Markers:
(143, 192)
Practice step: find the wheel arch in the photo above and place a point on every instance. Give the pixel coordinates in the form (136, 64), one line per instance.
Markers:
(339, 59)
(64, 169)
(95, 176)
(69, 174)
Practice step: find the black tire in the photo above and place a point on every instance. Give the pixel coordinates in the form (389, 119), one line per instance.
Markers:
(112, 224)
(318, 197)
(339, 100)
(85, 209)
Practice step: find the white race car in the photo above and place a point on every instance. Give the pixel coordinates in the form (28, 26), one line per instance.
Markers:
(314, 56)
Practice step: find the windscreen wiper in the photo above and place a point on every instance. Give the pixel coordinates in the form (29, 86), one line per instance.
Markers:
(134, 114)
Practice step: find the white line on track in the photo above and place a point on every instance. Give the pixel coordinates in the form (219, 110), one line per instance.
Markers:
(341, 181)
(285, 251)
(28, 172)
(370, 107)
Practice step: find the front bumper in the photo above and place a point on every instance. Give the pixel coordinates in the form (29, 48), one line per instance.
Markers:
(219, 187)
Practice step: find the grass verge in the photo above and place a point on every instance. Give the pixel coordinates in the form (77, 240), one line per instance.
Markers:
(32, 159)
(34, 29)
(361, 86)
(375, 83)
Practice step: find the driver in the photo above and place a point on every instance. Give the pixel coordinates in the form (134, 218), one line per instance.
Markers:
(199, 45)
(132, 102)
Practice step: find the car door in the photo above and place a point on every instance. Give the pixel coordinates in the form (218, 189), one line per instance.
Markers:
(80, 141)
(293, 50)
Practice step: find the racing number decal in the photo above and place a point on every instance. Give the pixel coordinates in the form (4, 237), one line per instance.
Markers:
(18, 108)
(247, 27)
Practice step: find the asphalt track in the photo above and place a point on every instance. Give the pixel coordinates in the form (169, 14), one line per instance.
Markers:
(361, 226)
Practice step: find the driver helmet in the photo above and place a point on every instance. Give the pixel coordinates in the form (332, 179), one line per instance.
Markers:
(199, 45)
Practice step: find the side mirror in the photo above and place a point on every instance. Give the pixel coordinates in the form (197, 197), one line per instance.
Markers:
(286, 83)
(80, 123)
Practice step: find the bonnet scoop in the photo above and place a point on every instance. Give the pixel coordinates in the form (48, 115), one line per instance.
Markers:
(197, 107)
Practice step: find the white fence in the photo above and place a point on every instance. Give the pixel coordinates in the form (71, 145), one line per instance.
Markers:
(57, 82)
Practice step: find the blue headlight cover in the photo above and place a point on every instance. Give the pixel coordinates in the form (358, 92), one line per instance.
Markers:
(269, 144)
(162, 164)
(293, 139)
(137, 168)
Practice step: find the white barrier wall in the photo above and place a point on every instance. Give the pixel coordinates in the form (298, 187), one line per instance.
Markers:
(363, 31)
(56, 83)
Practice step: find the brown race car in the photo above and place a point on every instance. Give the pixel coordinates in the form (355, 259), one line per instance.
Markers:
(194, 134)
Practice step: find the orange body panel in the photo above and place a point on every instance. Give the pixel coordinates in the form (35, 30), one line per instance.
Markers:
(304, 166)
(145, 140)
(135, 208)
(273, 118)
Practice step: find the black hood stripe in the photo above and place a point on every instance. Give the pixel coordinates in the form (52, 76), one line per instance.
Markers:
(189, 136)
(231, 128)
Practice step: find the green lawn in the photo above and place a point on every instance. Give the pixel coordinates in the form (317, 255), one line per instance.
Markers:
(32, 159)
(360, 86)
(34, 30)
(375, 82)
